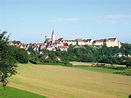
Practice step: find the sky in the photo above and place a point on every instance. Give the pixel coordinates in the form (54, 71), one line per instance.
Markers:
(29, 21)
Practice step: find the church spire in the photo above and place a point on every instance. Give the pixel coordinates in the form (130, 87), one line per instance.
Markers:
(52, 32)
(53, 37)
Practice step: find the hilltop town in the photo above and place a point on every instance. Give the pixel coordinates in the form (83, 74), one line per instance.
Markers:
(52, 44)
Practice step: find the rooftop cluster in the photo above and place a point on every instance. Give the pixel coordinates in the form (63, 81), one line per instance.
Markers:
(62, 44)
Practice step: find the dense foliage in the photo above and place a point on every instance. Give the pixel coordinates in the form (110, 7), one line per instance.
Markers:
(7, 61)
(20, 55)
(9, 56)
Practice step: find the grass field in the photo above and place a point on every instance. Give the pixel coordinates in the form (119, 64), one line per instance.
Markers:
(69, 82)
(10, 92)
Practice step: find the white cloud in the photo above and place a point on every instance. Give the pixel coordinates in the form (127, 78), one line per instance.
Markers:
(107, 18)
(65, 19)
(71, 19)
(116, 16)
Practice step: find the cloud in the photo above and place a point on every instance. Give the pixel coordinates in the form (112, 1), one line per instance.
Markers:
(71, 19)
(113, 19)
(117, 16)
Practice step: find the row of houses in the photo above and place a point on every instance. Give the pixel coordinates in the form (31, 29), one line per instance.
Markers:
(110, 42)
(62, 44)
(39, 46)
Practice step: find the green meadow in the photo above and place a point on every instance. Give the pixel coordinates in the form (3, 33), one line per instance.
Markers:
(10, 92)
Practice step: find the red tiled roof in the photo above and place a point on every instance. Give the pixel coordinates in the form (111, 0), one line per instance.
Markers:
(62, 47)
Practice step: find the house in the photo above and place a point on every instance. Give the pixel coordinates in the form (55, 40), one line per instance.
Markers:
(45, 57)
(49, 48)
(11, 43)
(22, 46)
(36, 47)
(120, 55)
(112, 42)
(58, 58)
(63, 48)
(80, 41)
(42, 46)
(70, 42)
(129, 56)
(58, 43)
(87, 42)
(99, 42)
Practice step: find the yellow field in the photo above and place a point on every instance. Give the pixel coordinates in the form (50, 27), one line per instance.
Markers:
(81, 63)
(92, 64)
(67, 82)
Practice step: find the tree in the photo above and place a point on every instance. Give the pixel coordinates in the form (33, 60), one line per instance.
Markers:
(20, 55)
(7, 60)
(128, 63)
(16, 42)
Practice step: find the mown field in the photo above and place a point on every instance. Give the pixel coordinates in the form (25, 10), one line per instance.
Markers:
(69, 82)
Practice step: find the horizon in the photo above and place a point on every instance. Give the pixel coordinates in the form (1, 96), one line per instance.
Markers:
(30, 21)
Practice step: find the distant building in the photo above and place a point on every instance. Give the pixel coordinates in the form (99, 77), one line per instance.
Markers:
(50, 41)
(112, 42)
(99, 42)
(70, 42)
(61, 44)
(87, 42)
(119, 54)
(79, 41)
(53, 37)
(63, 48)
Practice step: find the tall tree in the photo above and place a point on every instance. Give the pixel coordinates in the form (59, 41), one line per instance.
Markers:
(7, 60)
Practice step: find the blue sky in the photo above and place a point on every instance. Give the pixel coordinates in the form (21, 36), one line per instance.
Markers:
(30, 20)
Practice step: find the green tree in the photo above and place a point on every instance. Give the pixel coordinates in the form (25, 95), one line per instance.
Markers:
(21, 55)
(128, 63)
(7, 61)
(16, 42)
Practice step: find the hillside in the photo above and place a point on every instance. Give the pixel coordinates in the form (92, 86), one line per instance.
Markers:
(66, 82)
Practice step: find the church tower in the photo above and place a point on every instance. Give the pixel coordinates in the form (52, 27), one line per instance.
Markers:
(53, 37)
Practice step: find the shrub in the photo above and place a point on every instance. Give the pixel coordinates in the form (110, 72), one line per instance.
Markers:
(123, 73)
(118, 68)
(100, 65)
(33, 62)
(66, 63)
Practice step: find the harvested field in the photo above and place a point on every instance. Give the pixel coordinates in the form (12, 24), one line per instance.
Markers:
(81, 63)
(68, 82)
(91, 64)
